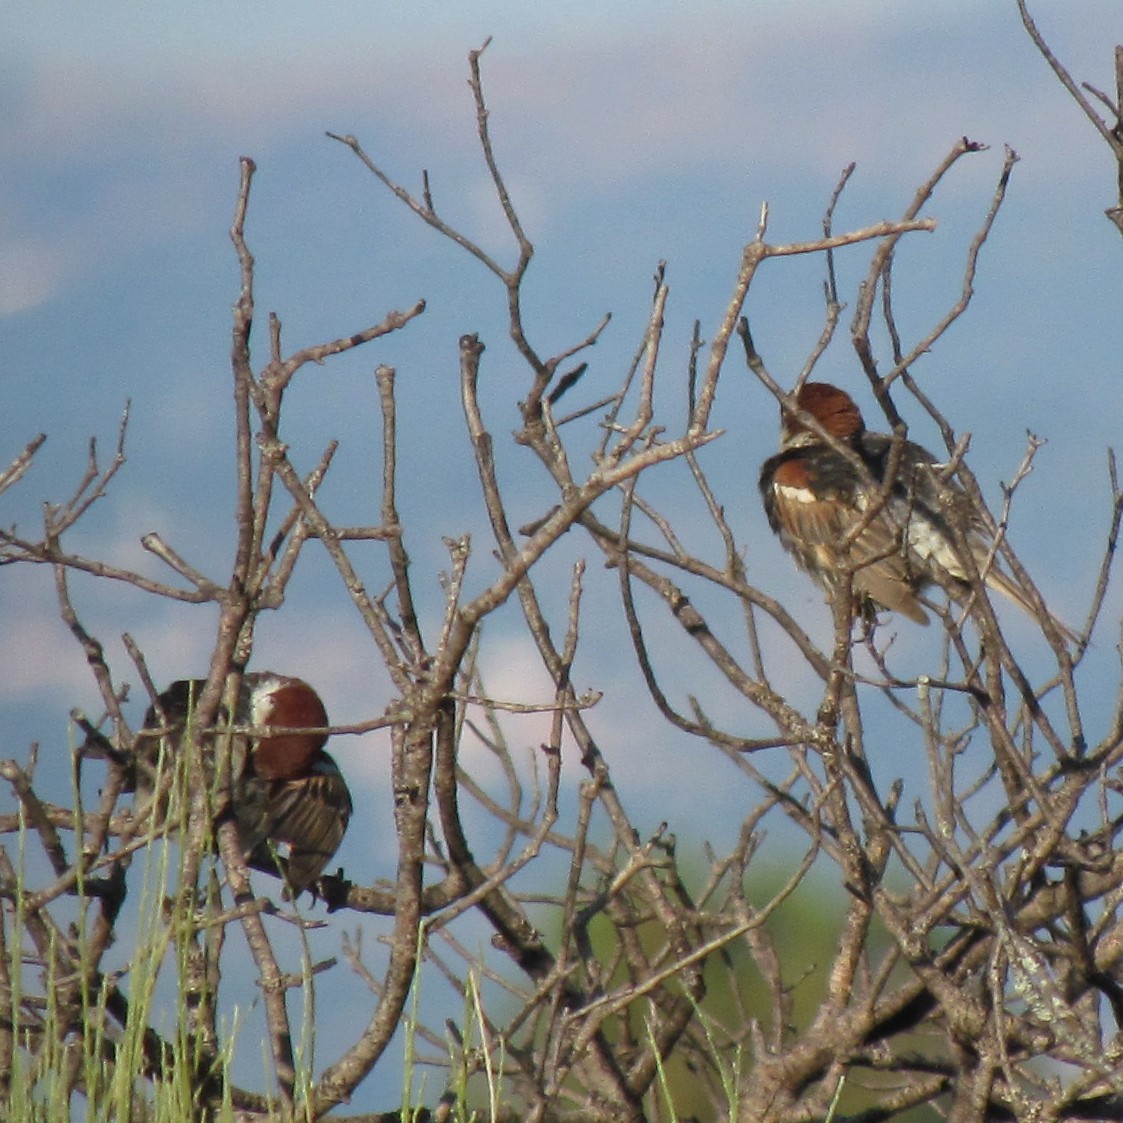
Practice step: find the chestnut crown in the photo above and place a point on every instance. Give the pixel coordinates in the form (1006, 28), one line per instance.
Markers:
(833, 408)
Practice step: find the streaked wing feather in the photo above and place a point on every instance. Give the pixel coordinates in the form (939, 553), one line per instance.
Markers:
(815, 520)
(311, 815)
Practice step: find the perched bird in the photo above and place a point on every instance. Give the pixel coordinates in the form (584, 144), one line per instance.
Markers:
(819, 503)
(289, 800)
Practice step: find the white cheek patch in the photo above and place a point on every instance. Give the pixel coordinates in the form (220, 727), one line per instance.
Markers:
(261, 709)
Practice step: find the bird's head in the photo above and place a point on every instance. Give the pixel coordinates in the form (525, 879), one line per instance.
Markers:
(833, 408)
(292, 707)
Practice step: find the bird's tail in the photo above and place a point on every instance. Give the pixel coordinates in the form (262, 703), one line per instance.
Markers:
(1012, 589)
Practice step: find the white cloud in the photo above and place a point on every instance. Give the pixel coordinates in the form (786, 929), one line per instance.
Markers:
(30, 271)
(593, 108)
(39, 656)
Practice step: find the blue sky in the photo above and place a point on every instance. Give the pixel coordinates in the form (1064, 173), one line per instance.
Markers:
(629, 134)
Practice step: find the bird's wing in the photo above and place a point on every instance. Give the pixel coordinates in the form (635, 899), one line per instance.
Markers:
(924, 503)
(819, 504)
(928, 504)
(310, 815)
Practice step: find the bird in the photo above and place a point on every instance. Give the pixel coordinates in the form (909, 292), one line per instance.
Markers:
(289, 799)
(830, 514)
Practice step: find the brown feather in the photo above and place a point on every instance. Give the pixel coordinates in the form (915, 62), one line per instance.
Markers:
(310, 816)
(287, 792)
(816, 498)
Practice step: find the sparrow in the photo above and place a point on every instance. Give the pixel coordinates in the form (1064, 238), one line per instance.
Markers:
(815, 497)
(289, 800)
